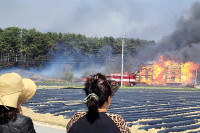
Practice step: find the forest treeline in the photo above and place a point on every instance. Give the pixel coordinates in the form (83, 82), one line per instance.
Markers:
(31, 48)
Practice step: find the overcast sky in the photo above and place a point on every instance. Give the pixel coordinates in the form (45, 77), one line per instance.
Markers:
(144, 19)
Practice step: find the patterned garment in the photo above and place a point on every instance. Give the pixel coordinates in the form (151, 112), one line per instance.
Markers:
(117, 119)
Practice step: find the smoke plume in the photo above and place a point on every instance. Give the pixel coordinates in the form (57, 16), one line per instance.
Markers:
(185, 40)
(183, 44)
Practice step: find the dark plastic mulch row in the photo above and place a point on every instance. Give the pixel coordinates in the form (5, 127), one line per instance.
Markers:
(154, 115)
(175, 119)
(153, 108)
(194, 132)
(170, 125)
(183, 115)
(179, 129)
(67, 114)
(61, 109)
(147, 111)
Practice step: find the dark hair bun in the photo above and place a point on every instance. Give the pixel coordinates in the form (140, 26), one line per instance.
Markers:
(97, 89)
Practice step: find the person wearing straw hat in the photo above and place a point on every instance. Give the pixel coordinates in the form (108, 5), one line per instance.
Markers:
(13, 91)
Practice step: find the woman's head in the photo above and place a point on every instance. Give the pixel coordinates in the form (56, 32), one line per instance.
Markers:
(97, 89)
(13, 91)
(11, 86)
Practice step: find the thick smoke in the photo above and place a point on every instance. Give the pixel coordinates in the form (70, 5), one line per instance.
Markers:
(183, 44)
(106, 62)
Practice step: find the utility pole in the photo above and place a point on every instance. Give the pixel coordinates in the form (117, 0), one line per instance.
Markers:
(122, 71)
(15, 58)
(196, 75)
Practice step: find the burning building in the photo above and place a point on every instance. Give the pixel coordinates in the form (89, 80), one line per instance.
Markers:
(166, 71)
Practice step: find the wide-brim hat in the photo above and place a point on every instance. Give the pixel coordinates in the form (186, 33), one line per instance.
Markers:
(14, 89)
(29, 90)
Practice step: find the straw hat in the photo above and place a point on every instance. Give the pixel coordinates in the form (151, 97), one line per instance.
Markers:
(14, 89)
(29, 90)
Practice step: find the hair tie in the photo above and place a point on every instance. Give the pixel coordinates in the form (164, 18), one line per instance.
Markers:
(96, 77)
(92, 95)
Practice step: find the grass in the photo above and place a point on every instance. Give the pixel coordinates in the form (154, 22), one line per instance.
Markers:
(124, 87)
(59, 87)
(156, 87)
(73, 87)
(57, 84)
(61, 125)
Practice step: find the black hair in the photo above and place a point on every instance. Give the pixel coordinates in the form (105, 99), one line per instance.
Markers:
(7, 114)
(103, 88)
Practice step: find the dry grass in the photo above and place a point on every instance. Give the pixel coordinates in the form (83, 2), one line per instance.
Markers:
(46, 118)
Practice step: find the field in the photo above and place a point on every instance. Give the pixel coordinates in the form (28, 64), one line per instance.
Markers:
(145, 110)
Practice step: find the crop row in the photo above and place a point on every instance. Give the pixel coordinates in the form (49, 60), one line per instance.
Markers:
(177, 110)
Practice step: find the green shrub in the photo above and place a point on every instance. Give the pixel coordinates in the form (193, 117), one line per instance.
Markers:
(68, 75)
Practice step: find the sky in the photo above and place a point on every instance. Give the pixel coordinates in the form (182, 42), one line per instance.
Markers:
(143, 19)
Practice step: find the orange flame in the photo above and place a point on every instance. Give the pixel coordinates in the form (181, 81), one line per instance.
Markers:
(163, 72)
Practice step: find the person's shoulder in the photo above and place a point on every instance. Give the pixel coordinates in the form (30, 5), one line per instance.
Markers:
(23, 120)
(79, 114)
(20, 122)
(75, 118)
(115, 116)
(120, 123)
(23, 117)
(24, 124)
